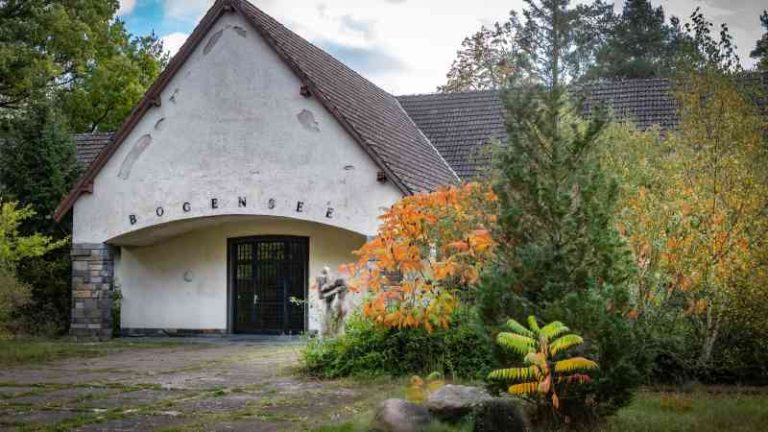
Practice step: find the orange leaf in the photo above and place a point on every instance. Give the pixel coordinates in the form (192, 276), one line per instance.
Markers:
(459, 246)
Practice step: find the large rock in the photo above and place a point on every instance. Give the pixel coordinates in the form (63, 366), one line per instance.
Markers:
(453, 402)
(499, 414)
(397, 415)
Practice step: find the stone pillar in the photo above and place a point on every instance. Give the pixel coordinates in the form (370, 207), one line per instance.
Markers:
(92, 281)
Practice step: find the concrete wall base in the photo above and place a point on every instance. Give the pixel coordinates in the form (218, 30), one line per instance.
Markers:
(154, 332)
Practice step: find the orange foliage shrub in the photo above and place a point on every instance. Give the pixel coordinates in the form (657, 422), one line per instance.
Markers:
(429, 248)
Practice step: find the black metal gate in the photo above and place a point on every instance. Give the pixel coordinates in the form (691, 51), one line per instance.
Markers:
(269, 277)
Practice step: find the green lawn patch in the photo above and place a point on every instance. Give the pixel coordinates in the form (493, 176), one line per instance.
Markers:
(33, 350)
(699, 411)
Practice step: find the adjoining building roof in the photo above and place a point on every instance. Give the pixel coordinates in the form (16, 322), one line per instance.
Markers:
(459, 125)
(89, 145)
(372, 116)
(645, 102)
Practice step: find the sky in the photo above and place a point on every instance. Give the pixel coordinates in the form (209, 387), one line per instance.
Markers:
(404, 46)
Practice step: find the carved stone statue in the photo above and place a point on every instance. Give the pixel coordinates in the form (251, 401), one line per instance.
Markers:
(332, 292)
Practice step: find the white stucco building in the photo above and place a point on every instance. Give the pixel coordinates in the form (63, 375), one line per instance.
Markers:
(255, 160)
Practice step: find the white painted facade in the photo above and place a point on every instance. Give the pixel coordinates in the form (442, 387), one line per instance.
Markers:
(181, 283)
(233, 150)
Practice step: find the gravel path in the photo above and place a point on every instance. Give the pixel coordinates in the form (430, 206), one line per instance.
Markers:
(237, 385)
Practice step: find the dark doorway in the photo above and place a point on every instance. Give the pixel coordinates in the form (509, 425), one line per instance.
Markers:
(269, 277)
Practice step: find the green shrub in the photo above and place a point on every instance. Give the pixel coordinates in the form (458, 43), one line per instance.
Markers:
(739, 357)
(13, 295)
(462, 351)
(612, 342)
(49, 280)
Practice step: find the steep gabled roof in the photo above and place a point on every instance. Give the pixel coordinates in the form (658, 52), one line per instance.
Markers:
(459, 125)
(373, 117)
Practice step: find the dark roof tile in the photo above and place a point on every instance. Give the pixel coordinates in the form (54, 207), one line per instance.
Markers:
(89, 145)
(459, 125)
(646, 102)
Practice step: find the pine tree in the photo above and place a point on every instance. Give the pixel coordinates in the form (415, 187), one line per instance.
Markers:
(560, 41)
(761, 47)
(38, 164)
(490, 57)
(639, 45)
(560, 255)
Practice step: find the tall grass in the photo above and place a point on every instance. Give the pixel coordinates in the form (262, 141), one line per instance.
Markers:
(696, 411)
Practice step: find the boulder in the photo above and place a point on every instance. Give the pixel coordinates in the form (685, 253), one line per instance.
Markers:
(453, 402)
(397, 415)
(499, 414)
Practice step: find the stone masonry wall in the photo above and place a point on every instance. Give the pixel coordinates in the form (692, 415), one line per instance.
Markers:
(92, 282)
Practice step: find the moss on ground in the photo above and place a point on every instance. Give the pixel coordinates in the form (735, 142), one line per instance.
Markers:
(24, 351)
(699, 411)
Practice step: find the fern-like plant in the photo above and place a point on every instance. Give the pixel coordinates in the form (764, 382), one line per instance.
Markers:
(544, 362)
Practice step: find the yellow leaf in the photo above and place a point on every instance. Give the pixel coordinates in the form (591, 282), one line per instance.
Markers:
(527, 388)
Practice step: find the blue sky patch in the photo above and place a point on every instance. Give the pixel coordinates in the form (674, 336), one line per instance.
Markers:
(149, 15)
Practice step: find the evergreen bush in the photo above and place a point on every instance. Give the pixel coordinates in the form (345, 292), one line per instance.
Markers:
(464, 350)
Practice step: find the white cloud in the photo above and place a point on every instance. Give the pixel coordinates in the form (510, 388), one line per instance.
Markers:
(173, 41)
(126, 7)
(421, 36)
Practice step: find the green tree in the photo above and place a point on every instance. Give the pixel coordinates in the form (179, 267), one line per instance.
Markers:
(693, 209)
(638, 46)
(45, 43)
(488, 58)
(65, 66)
(38, 164)
(701, 51)
(76, 51)
(560, 255)
(105, 93)
(761, 47)
(37, 168)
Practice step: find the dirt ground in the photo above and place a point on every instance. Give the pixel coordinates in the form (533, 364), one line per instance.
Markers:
(222, 385)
